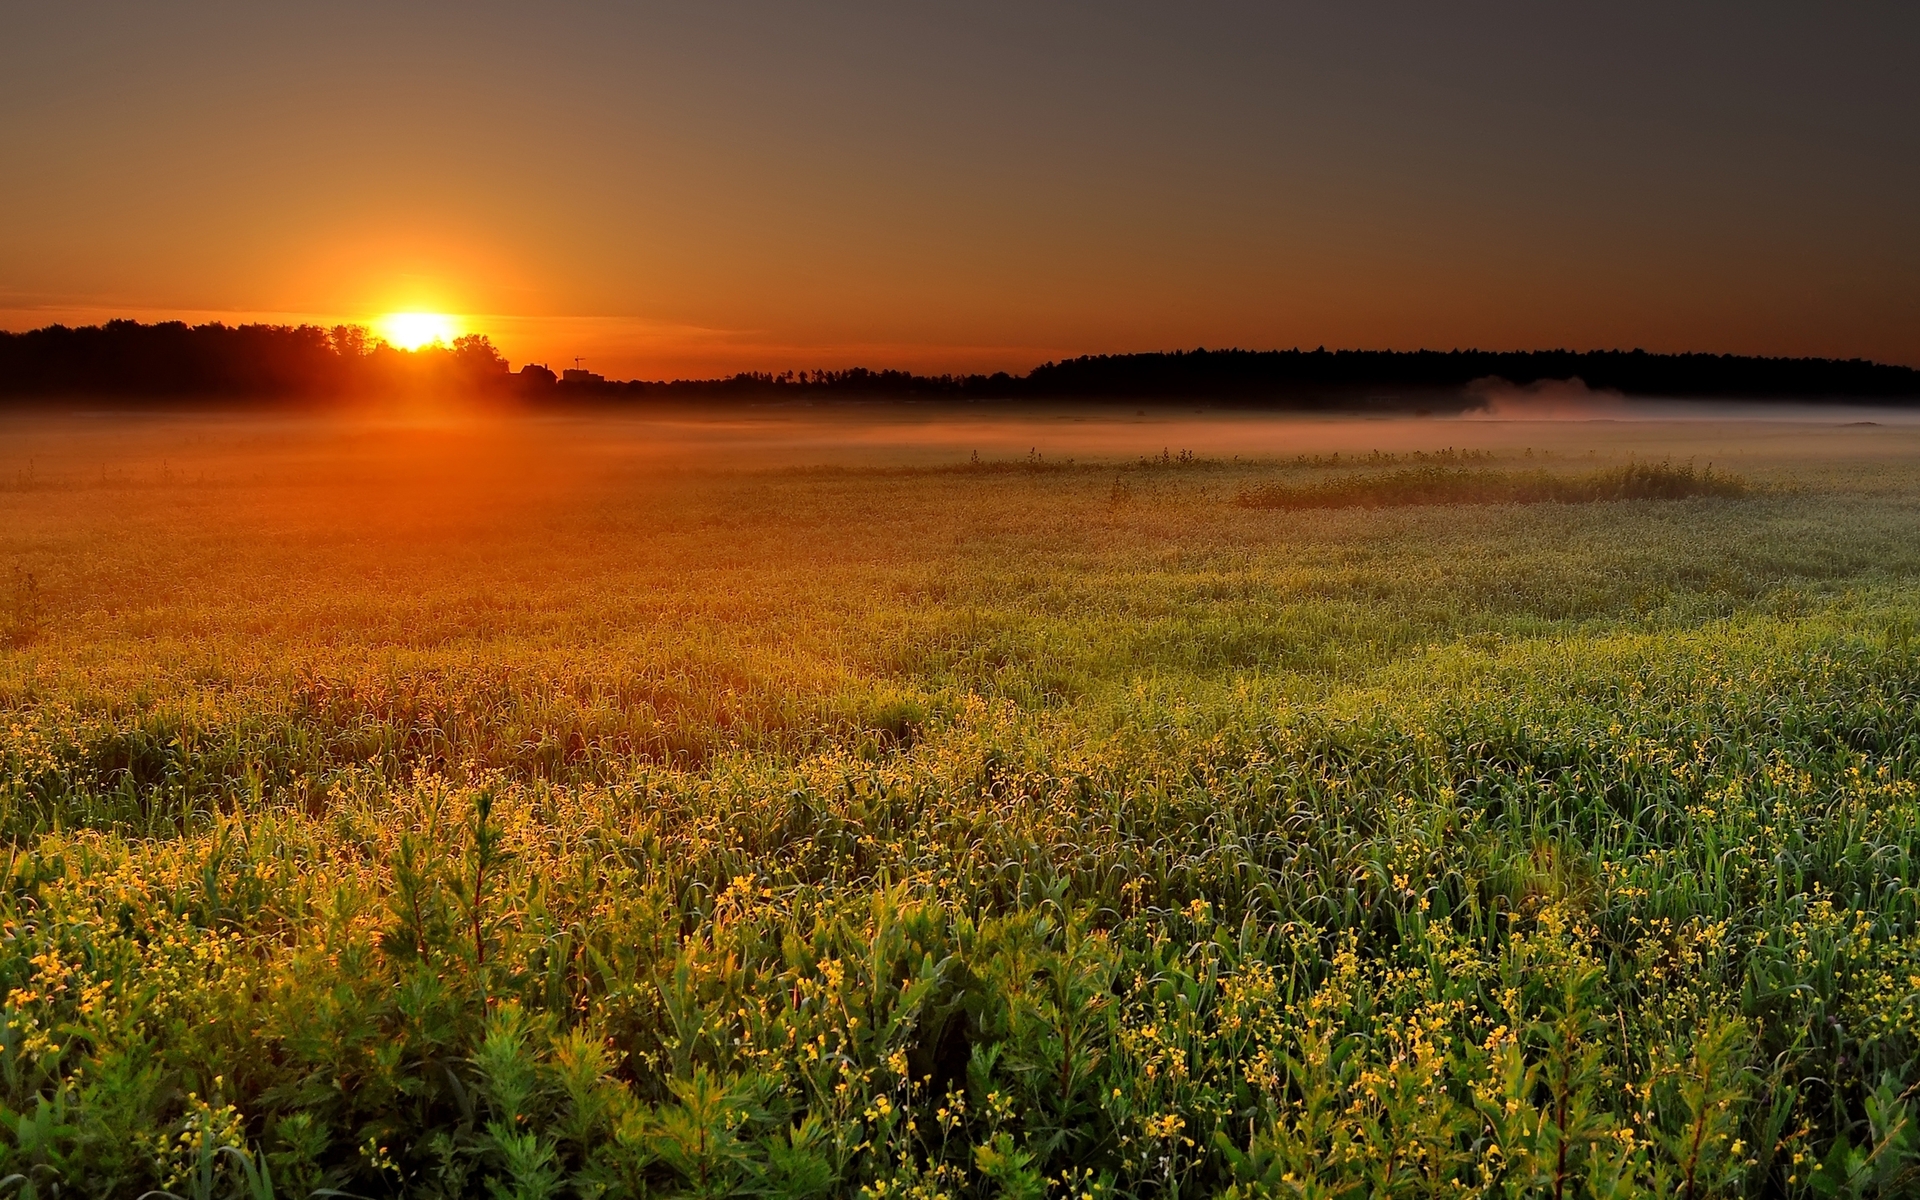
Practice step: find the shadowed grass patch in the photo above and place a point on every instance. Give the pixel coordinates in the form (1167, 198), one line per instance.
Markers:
(1453, 485)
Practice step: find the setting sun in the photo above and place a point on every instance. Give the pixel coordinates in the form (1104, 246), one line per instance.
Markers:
(412, 330)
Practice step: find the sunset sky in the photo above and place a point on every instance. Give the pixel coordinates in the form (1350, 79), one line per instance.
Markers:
(692, 189)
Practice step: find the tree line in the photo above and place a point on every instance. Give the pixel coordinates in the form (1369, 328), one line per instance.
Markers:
(173, 359)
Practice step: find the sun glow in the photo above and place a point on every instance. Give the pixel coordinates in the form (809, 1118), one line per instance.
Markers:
(412, 330)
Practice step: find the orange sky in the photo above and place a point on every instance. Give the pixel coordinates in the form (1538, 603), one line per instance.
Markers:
(690, 190)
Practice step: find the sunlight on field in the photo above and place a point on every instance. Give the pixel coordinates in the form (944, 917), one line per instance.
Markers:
(792, 802)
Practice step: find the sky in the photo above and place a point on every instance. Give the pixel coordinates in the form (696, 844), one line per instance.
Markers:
(673, 190)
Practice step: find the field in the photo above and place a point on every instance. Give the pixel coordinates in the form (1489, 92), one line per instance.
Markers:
(912, 802)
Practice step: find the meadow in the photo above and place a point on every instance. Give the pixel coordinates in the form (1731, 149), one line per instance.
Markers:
(935, 803)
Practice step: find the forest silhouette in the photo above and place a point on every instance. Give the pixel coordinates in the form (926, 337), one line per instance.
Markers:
(172, 361)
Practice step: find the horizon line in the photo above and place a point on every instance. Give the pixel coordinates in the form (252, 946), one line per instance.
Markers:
(797, 376)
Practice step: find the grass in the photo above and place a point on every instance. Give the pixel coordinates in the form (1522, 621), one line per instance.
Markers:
(473, 816)
(1452, 485)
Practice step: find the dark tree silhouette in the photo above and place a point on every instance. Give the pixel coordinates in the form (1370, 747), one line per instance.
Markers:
(171, 359)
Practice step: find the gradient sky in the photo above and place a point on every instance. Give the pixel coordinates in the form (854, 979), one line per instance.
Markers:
(690, 189)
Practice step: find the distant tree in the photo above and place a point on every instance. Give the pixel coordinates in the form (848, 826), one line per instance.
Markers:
(476, 358)
(350, 341)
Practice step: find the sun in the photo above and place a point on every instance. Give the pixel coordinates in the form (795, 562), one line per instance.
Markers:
(412, 330)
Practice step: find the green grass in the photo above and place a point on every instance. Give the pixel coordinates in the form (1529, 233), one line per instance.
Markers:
(636, 830)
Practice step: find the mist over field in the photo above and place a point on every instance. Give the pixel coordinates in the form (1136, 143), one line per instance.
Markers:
(1564, 418)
